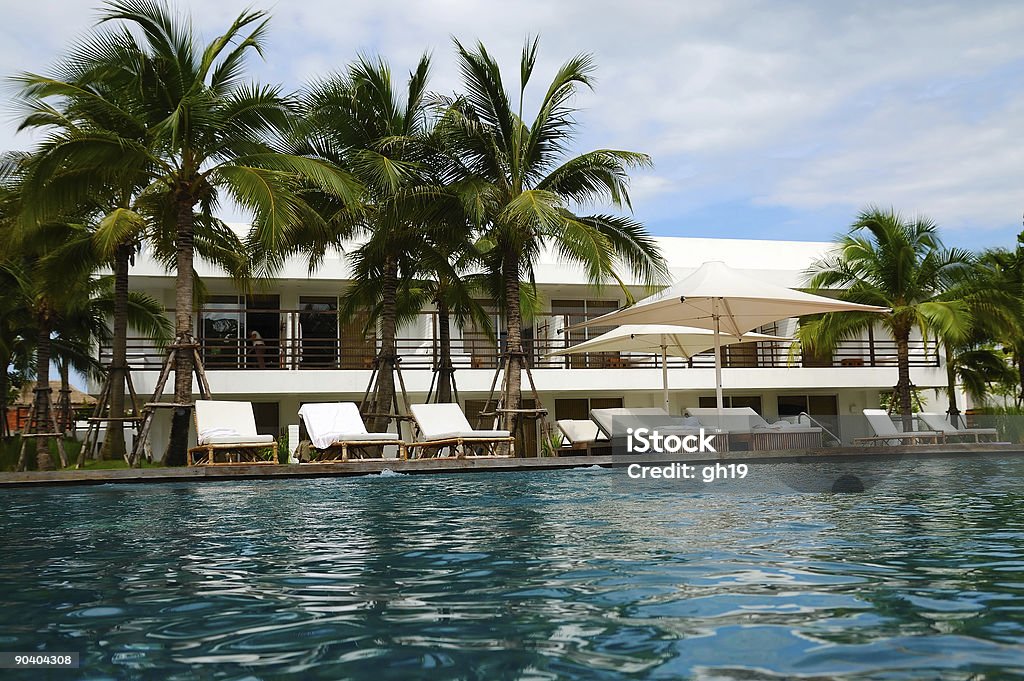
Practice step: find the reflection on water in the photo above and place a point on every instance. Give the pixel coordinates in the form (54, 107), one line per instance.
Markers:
(554, 575)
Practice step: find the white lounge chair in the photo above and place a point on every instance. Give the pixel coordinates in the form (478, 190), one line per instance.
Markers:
(938, 422)
(887, 435)
(582, 434)
(745, 423)
(338, 427)
(615, 421)
(444, 426)
(229, 428)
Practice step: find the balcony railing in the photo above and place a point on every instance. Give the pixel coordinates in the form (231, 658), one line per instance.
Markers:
(292, 351)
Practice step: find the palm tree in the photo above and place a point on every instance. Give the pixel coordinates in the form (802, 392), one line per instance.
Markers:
(200, 133)
(523, 188)
(992, 309)
(899, 264)
(359, 120)
(1003, 271)
(449, 279)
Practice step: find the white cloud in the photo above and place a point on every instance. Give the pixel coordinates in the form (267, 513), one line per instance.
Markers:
(645, 187)
(796, 105)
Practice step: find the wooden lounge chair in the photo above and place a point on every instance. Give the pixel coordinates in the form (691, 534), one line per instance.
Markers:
(886, 434)
(938, 422)
(229, 429)
(336, 429)
(583, 435)
(745, 423)
(444, 426)
(615, 421)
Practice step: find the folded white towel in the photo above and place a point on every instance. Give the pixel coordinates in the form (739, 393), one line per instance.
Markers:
(217, 432)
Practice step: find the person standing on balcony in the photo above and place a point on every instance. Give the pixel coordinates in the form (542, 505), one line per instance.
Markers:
(259, 349)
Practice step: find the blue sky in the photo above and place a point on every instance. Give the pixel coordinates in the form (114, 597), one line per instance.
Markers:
(764, 119)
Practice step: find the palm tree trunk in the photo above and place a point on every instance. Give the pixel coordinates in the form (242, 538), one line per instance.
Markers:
(177, 444)
(903, 385)
(444, 340)
(1020, 379)
(64, 403)
(41, 403)
(513, 341)
(5, 384)
(953, 411)
(113, 443)
(384, 398)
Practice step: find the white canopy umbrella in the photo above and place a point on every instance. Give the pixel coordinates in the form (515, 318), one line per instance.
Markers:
(724, 300)
(677, 341)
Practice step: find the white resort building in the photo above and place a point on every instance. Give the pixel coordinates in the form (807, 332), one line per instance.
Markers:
(308, 355)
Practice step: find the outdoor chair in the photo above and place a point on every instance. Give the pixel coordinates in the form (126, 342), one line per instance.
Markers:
(336, 429)
(583, 434)
(614, 423)
(938, 422)
(229, 429)
(444, 427)
(885, 433)
(745, 423)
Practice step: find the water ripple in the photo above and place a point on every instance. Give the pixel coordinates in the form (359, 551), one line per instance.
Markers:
(561, 575)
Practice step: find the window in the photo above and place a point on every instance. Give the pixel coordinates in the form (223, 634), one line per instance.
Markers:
(578, 408)
(483, 353)
(576, 311)
(732, 402)
(222, 327)
(824, 408)
(318, 329)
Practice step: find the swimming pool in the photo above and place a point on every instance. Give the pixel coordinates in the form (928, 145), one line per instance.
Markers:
(542, 575)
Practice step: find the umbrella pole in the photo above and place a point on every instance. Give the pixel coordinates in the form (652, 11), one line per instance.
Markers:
(664, 376)
(719, 400)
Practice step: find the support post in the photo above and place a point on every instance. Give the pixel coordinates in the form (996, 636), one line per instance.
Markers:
(719, 400)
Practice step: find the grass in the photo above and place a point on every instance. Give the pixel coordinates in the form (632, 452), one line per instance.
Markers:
(10, 448)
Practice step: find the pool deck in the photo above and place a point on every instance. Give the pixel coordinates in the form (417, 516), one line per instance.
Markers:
(472, 465)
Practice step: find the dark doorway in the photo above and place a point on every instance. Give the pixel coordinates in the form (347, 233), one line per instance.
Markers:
(318, 327)
(268, 418)
(263, 331)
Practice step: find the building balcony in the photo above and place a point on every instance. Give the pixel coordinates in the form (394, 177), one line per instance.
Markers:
(297, 340)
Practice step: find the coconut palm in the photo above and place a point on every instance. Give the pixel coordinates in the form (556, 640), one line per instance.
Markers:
(360, 120)
(993, 309)
(1002, 270)
(523, 188)
(201, 133)
(899, 264)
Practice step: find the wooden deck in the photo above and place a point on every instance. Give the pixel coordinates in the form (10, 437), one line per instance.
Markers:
(423, 466)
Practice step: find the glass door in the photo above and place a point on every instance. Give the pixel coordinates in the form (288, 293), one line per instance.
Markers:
(223, 329)
(318, 331)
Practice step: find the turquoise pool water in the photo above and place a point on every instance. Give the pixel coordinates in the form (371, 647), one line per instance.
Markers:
(555, 575)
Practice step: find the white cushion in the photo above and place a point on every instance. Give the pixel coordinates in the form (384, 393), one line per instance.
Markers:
(225, 419)
(579, 431)
(880, 422)
(605, 418)
(446, 421)
(472, 434)
(733, 419)
(238, 440)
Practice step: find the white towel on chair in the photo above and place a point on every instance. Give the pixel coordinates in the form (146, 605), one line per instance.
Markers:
(329, 422)
(209, 433)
